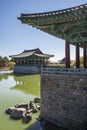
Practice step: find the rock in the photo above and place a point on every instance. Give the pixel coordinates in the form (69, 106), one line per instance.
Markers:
(18, 113)
(37, 100)
(22, 105)
(29, 111)
(27, 118)
(34, 110)
(38, 107)
(10, 110)
(32, 105)
(24, 110)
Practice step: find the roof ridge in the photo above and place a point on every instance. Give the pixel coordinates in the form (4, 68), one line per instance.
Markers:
(31, 50)
(51, 12)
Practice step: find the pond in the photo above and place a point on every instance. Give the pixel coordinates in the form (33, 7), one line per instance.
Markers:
(15, 90)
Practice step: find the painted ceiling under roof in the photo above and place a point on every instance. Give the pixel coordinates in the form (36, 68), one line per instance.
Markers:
(68, 24)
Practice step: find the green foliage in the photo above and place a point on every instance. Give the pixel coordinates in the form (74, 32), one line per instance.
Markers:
(81, 59)
(4, 62)
(11, 64)
(56, 64)
(6, 59)
(73, 64)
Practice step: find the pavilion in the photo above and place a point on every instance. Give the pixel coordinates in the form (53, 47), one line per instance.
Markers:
(29, 60)
(34, 56)
(68, 24)
(64, 90)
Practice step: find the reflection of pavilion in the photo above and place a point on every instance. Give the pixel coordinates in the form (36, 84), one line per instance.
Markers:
(64, 90)
(28, 84)
(30, 61)
(20, 83)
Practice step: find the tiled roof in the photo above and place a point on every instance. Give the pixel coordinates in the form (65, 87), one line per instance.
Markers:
(27, 53)
(67, 24)
(57, 12)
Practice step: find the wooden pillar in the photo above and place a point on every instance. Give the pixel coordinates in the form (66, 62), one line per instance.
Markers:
(24, 60)
(67, 54)
(84, 56)
(20, 61)
(77, 56)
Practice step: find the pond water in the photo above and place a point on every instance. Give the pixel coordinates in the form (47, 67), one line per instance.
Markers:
(15, 90)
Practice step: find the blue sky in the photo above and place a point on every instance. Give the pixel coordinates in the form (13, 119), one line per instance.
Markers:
(15, 37)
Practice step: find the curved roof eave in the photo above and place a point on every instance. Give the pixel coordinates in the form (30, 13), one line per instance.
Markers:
(43, 55)
(22, 55)
(57, 12)
(67, 24)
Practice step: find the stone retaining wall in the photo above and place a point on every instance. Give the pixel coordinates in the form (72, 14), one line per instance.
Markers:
(64, 100)
(24, 69)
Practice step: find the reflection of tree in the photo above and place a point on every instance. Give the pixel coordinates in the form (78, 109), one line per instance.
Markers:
(28, 84)
(4, 76)
(1, 78)
(20, 83)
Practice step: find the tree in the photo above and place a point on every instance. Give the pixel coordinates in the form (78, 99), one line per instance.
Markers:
(4, 62)
(11, 64)
(73, 64)
(6, 59)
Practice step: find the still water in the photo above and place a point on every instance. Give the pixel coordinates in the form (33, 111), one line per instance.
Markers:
(14, 90)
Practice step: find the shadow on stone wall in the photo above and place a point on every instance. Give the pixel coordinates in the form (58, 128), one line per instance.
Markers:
(35, 126)
(44, 126)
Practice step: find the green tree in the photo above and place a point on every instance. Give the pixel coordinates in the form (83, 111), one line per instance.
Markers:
(0, 58)
(81, 61)
(4, 62)
(11, 64)
(73, 64)
(6, 59)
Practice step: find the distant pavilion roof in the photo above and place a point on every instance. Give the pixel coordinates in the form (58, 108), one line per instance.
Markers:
(67, 24)
(35, 52)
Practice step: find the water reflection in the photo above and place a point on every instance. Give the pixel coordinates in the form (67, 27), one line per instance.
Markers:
(20, 83)
(29, 84)
(10, 96)
(15, 90)
(3, 76)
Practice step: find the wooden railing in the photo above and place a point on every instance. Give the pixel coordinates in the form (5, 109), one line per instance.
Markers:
(57, 70)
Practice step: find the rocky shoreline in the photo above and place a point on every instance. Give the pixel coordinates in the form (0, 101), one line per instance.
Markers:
(24, 111)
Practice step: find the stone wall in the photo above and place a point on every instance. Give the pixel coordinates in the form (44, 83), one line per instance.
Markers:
(26, 69)
(64, 99)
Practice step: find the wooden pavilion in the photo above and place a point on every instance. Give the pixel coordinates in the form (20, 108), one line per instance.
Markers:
(34, 56)
(30, 60)
(68, 24)
(64, 90)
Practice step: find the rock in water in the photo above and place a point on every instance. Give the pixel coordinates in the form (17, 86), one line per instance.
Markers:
(32, 105)
(18, 113)
(10, 110)
(22, 105)
(37, 100)
(27, 118)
